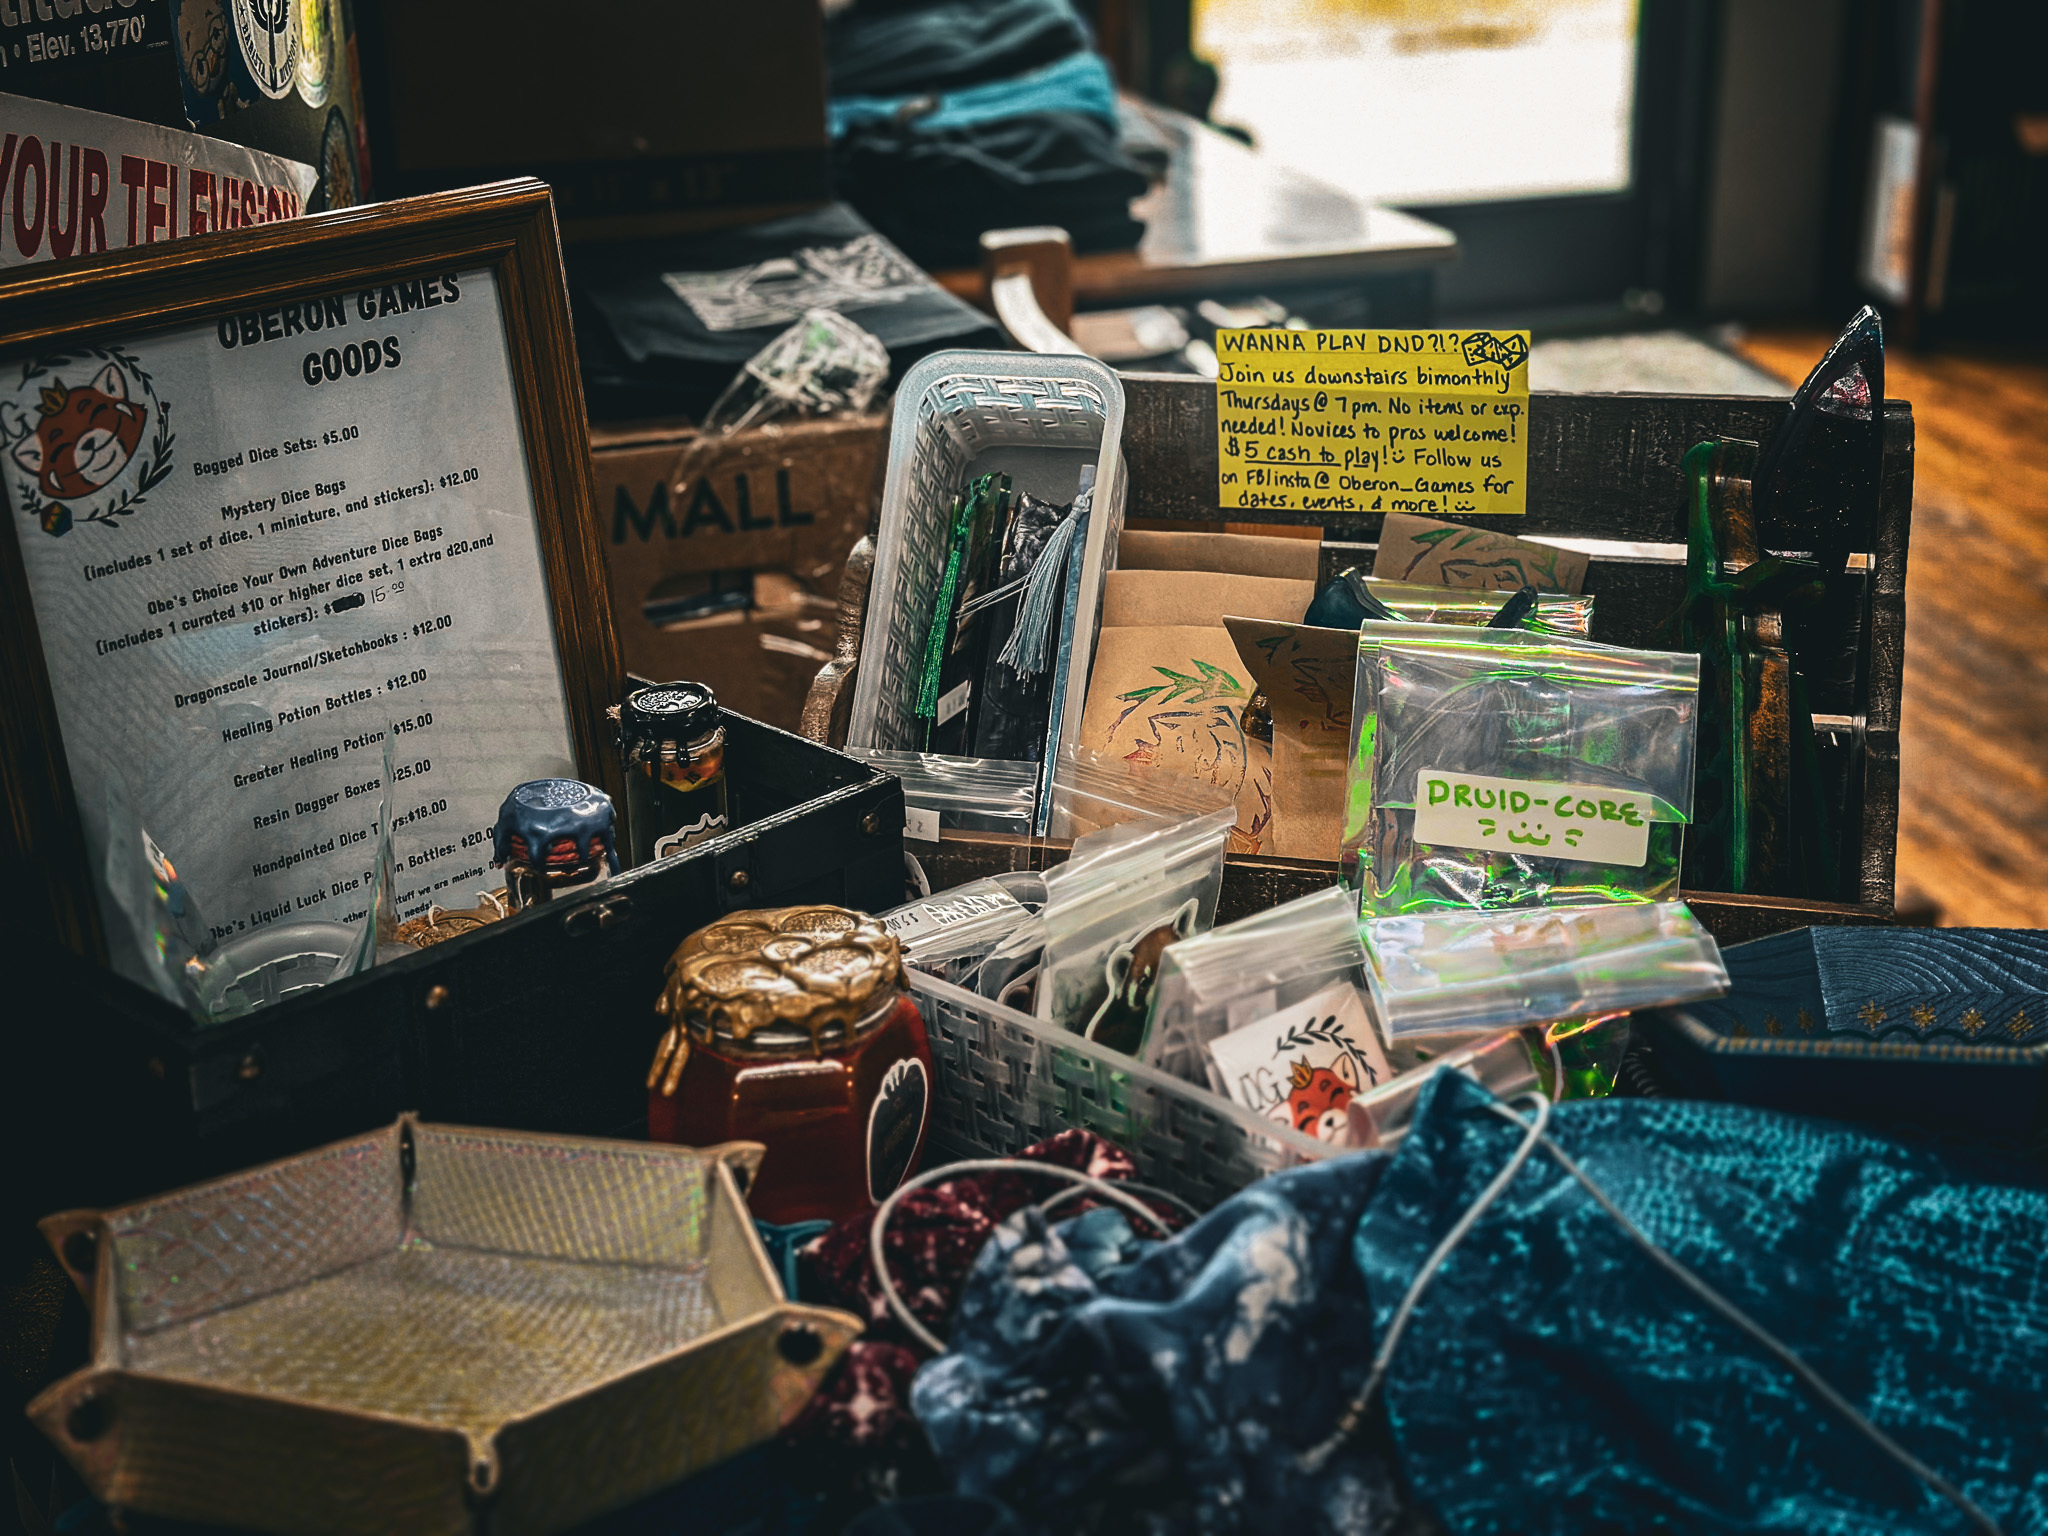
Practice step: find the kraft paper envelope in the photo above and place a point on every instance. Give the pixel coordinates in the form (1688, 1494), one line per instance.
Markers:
(1134, 599)
(1172, 696)
(1306, 675)
(1453, 555)
(1241, 554)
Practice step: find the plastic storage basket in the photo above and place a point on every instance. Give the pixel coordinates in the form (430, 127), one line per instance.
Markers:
(1038, 419)
(1006, 1080)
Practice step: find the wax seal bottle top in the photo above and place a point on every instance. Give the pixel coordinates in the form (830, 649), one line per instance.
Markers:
(440, 924)
(560, 826)
(816, 970)
(669, 712)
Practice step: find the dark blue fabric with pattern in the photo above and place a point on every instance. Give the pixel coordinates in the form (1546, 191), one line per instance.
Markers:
(1101, 1382)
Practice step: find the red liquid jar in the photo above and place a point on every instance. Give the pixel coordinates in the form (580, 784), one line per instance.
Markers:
(793, 1030)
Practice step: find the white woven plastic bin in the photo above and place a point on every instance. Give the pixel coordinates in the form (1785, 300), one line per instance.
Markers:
(959, 415)
(1006, 1080)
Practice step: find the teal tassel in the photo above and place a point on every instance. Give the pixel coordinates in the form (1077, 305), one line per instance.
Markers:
(1030, 649)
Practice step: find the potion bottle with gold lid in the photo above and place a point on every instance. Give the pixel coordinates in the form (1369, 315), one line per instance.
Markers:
(791, 1027)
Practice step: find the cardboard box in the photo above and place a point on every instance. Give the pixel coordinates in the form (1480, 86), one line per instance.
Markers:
(282, 78)
(1243, 554)
(646, 116)
(742, 565)
(1135, 599)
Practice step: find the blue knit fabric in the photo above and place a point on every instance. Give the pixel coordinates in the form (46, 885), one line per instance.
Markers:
(1556, 1381)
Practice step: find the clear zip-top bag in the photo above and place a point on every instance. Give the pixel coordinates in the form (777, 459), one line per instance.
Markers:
(1520, 775)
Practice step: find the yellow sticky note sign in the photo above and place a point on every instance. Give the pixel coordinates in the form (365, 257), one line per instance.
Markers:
(1430, 422)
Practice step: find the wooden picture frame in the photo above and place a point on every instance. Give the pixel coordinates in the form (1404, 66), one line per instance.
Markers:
(509, 228)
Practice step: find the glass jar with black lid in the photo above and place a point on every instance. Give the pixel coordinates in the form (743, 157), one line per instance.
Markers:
(672, 744)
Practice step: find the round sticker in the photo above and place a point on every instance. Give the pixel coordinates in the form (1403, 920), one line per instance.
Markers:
(268, 40)
(340, 186)
(314, 20)
(201, 30)
(84, 439)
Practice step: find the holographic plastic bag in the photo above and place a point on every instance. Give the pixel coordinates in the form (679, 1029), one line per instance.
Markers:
(1557, 613)
(1519, 775)
(1450, 972)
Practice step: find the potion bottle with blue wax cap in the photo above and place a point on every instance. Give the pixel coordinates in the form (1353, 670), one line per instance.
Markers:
(553, 835)
(672, 744)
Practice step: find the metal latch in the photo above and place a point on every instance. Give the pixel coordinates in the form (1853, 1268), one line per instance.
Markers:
(598, 916)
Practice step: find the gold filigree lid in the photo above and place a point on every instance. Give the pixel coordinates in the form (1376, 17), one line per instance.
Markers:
(440, 924)
(814, 969)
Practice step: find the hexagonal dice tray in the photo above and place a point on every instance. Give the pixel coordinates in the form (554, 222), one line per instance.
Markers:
(431, 1329)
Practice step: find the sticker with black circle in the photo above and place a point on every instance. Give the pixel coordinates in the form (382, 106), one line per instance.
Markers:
(896, 1125)
(266, 46)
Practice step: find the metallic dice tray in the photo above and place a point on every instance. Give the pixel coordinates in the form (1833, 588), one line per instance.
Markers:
(431, 1329)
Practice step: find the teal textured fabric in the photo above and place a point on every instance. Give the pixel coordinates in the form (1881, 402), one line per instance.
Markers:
(1554, 1380)
(1079, 83)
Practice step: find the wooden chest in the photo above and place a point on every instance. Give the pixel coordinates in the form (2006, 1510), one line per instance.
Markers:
(1605, 478)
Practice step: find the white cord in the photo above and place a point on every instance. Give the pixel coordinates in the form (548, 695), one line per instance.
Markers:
(894, 1299)
(1535, 1134)
(1808, 1376)
(1556, 1068)
(1313, 1459)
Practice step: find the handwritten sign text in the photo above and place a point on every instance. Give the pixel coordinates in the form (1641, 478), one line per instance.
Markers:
(1430, 422)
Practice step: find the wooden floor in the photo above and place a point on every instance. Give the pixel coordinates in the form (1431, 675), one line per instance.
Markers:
(1973, 792)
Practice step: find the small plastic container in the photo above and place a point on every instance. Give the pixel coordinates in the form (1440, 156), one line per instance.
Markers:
(1040, 419)
(264, 968)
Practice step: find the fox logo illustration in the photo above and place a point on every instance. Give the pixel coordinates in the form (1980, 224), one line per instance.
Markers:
(84, 439)
(85, 435)
(1317, 1100)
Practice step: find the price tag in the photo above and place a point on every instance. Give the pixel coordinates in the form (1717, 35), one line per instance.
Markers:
(919, 920)
(920, 824)
(1553, 821)
(1433, 423)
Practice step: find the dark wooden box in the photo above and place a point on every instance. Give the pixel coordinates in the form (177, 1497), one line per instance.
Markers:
(543, 1022)
(1605, 474)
